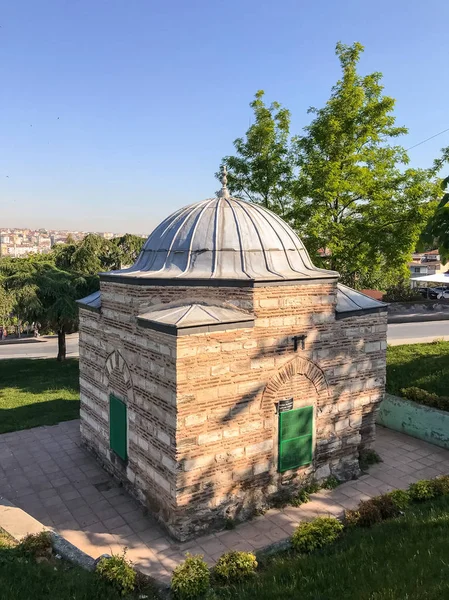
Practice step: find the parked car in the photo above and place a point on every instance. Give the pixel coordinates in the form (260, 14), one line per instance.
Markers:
(443, 295)
(428, 293)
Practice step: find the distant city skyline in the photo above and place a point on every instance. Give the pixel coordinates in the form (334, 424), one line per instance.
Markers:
(115, 114)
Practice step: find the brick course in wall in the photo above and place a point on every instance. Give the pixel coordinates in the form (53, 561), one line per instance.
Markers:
(203, 437)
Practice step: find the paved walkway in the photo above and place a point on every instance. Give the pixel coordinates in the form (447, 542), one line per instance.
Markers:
(45, 472)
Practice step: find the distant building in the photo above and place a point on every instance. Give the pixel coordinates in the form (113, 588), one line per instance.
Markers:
(427, 263)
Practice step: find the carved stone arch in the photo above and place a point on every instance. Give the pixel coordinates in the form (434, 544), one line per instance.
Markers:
(117, 376)
(298, 366)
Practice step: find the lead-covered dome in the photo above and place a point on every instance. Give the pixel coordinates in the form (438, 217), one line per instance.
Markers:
(224, 238)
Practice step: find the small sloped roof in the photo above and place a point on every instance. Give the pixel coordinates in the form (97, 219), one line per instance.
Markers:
(91, 302)
(351, 302)
(194, 317)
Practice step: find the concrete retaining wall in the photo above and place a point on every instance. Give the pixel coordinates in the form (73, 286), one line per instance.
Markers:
(423, 422)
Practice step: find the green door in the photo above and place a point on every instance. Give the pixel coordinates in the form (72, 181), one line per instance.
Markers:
(295, 438)
(118, 427)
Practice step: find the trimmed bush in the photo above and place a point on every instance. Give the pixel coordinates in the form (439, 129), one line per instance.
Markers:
(191, 578)
(422, 490)
(441, 485)
(37, 544)
(366, 515)
(400, 498)
(320, 532)
(118, 572)
(235, 566)
(426, 398)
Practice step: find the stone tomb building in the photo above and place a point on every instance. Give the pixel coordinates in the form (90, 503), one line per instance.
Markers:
(223, 367)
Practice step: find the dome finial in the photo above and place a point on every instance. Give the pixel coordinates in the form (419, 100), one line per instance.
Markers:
(224, 192)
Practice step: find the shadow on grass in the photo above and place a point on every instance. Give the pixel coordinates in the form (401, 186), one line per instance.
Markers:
(38, 414)
(422, 365)
(39, 375)
(37, 392)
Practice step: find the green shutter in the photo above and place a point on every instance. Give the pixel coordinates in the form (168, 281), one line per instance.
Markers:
(295, 438)
(118, 425)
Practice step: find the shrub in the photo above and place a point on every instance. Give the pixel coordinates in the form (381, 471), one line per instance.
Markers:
(235, 566)
(352, 518)
(368, 513)
(401, 292)
(301, 498)
(387, 507)
(441, 485)
(313, 487)
(191, 578)
(119, 572)
(311, 535)
(426, 398)
(330, 483)
(422, 490)
(367, 458)
(37, 544)
(400, 498)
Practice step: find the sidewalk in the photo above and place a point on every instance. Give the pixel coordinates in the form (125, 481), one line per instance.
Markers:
(45, 472)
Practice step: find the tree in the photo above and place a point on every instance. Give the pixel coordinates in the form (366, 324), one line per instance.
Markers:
(128, 249)
(262, 169)
(436, 233)
(57, 292)
(364, 206)
(43, 293)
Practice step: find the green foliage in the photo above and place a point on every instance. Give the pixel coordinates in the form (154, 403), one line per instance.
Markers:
(425, 366)
(301, 497)
(118, 572)
(191, 578)
(422, 490)
(441, 485)
(375, 510)
(313, 487)
(235, 566)
(401, 292)
(343, 184)
(230, 523)
(37, 544)
(400, 498)
(436, 233)
(368, 458)
(426, 398)
(330, 483)
(262, 169)
(315, 534)
(364, 206)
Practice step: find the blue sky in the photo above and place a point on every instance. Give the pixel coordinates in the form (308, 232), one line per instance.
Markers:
(113, 113)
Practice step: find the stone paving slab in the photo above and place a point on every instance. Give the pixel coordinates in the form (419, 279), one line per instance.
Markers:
(45, 472)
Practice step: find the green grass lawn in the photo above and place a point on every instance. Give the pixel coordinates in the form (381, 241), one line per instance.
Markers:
(419, 365)
(37, 392)
(21, 578)
(401, 559)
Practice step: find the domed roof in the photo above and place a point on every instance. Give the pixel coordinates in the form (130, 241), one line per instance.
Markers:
(224, 238)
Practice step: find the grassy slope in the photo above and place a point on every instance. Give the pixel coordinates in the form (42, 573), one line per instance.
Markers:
(21, 578)
(401, 559)
(421, 365)
(37, 392)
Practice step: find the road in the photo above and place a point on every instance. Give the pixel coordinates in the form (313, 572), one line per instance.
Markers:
(400, 333)
(414, 333)
(46, 347)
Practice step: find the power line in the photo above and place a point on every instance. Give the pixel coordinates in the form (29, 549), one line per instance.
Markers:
(430, 138)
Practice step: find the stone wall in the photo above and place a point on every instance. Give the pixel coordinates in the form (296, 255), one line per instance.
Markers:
(229, 382)
(139, 367)
(202, 408)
